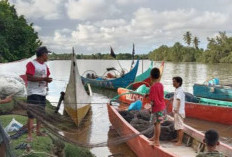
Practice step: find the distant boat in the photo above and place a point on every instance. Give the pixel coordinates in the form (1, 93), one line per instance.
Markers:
(113, 83)
(205, 109)
(140, 145)
(76, 100)
(217, 92)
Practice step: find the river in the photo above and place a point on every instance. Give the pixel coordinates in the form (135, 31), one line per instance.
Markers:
(96, 128)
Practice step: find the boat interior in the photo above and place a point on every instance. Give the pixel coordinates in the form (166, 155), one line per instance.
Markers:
(190, 147)
(192, 142)
(111, 73)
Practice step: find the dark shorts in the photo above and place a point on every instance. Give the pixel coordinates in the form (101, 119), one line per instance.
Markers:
(158, 117)
(37, 103)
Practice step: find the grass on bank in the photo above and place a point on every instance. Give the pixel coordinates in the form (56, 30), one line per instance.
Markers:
(41, 144)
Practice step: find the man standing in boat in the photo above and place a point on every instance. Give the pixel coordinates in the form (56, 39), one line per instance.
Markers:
(156, 96)
(178, 109)
(38, 78)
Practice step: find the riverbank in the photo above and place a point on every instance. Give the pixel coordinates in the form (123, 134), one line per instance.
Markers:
(40, 146)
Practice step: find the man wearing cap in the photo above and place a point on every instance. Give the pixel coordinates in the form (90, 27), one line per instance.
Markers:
(38, 78)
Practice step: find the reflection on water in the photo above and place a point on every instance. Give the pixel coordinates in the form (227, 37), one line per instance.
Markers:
(96, 127)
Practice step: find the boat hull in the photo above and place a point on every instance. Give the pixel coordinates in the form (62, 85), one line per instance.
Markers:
(76, 99)
(212, 92)
(207, 112)
(77, 115)
(123, 81)
(144, 77)
(140, 144)
(147, 82)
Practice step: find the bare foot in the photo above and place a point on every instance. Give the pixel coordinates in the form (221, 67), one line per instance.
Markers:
(174, 140)
(151, 139)
(151, 143)
(156, 143)
(41, 134)
(178, 144)
(29, 139)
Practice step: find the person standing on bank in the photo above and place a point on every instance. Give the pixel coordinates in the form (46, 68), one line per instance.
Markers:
(38, 78)
(178, 109)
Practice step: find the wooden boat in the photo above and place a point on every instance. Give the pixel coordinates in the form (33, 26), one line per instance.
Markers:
(193, 140)
(144, 77)
(76, 100)
(113, 83)
(205, 110)
(218, 92)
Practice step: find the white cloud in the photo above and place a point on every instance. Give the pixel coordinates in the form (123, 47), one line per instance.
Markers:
(90, 9)
(37, 28)
(146, 28)
(47, 9)
(94, 25)
(130, 2)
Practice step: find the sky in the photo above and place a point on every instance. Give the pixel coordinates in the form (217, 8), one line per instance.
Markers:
(92, 26)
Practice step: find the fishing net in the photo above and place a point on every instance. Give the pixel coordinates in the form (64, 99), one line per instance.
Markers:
(140, 120)
(188, 97)
(54, 123)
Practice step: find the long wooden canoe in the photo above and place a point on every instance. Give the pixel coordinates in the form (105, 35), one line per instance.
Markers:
(217, 92)
(140, 144)
(123, 81)
(76, 100)
(195, 110)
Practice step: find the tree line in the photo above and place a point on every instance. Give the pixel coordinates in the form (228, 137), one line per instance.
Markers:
(19, 40)
(219, 50)
(120, 56)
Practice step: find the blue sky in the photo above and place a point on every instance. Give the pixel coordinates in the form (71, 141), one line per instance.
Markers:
(92, 26)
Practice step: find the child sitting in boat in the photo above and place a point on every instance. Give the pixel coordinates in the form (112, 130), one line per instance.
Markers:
(156, 96)
(178, 109)
(211, 141)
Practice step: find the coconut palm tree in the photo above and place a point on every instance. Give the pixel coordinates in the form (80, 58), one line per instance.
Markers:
(188, 38)
(196, 42)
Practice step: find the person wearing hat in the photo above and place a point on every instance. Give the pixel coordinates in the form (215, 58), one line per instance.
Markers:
(38, 78)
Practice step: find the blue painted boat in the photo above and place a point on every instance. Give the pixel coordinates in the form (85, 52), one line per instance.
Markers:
(113, 83)
(217, 92)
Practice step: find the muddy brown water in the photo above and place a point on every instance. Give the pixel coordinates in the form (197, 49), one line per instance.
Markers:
(96, 127)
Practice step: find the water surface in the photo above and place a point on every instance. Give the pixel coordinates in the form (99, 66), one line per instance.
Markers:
(96, 127)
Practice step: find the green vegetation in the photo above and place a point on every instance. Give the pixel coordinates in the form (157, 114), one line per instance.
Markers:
(18, 39)
(219, 50)
(42, 145)
(120, 56)
(176, 53)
